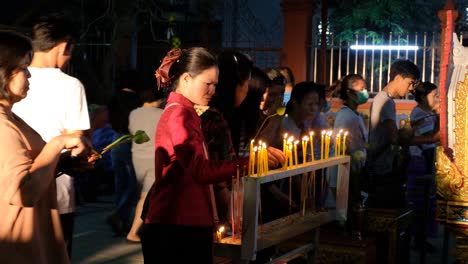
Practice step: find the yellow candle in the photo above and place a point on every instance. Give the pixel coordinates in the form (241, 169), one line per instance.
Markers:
(290, 158)
(265, 158)
(304, 149)
(322, 145)
(253, 160)
(344, 142)
(296, 159)
(329, 136)
(311, 137)
(338, 145)
(219, 233)
(285, 142)
(327, 144)
(259, 161)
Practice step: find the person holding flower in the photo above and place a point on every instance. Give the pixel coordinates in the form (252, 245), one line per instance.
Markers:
(181, 212)
(30, 230)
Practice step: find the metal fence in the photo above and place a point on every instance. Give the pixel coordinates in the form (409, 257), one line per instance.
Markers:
(371, 57)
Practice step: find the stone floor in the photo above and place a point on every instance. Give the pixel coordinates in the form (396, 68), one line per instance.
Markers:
(94, 241)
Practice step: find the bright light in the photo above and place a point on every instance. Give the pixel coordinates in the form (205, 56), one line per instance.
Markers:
(383, 47)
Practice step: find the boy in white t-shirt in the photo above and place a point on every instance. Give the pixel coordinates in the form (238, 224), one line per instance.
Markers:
(56, 102)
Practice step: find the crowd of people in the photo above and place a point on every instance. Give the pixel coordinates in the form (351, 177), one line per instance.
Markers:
(200, 119)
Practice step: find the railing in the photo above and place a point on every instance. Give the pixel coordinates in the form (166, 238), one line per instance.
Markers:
(371, 57)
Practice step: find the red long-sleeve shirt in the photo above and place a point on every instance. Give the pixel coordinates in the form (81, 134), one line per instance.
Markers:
(181, 193)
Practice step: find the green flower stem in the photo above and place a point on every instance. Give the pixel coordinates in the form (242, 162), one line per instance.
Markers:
(139, 137)
(263, 123)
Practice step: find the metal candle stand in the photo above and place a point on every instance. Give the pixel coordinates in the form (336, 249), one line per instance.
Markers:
(256, 237)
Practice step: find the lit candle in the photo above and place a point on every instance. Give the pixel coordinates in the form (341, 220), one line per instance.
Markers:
(260, 161)
(322, 145)
(305, 139)
(328, 137)
(344, 142)
(296, 159)
(252, 170)
(337, 144)
(285, 142)
(265, 158)
(219, 233)
(290, 149)
(311, 137)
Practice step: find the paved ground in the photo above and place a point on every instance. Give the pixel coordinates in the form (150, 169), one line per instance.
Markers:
(94, 241)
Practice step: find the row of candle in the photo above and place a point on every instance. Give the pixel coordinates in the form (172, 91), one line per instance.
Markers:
(258, 158)
(258, 154)
(290, 146)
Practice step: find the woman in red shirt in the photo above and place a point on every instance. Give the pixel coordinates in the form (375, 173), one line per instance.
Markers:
(180, 217)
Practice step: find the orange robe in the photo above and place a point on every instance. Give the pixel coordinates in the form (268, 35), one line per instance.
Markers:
(30, 229)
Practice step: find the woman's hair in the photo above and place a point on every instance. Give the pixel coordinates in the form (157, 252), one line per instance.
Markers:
(302, 89)
(234, 69)
(288, 75)
(13, 48)
(250, 110)
(422, 90)
(275, 91)
(176, 62)
(342, 86)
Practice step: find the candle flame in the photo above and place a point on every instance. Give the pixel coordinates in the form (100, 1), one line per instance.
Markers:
(221, 229)
(346, 133)
(305, 138)
(296, 142)
(323, 132)
(285, 135)
(311, 133)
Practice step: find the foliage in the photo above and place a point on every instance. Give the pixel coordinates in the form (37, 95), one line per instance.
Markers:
(371, 17)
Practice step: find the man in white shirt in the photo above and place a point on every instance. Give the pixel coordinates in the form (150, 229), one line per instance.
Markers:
(387, 190)
(56, 102)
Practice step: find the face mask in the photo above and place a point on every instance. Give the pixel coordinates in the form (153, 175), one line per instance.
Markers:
(327, 107)
(362, 97)
(287, 96)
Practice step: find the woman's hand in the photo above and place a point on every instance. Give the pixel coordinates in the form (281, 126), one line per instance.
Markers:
(276, 158)
(77, 144)
(79, 158)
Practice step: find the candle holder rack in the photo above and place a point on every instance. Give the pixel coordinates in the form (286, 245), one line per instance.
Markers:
(255, 237)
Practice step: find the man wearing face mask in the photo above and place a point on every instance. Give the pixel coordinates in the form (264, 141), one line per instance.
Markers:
(352, 90)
